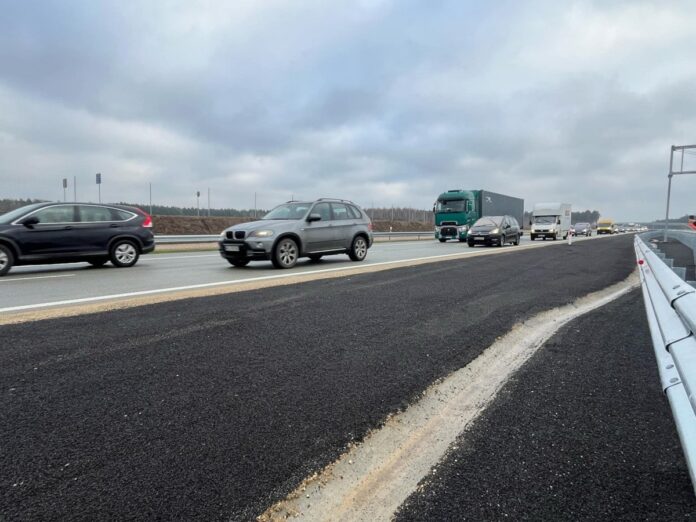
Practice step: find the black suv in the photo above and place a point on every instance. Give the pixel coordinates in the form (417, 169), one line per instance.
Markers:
(74, 232)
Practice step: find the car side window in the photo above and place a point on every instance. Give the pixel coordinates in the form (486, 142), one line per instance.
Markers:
(89, 214)
(323, 210)
(340, 211)
(57, 214)
(354, 212)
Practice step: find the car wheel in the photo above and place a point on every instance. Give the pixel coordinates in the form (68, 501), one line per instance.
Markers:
(285, 253)
(124, 254)
(358, 250)
(533, 238)
(315, 258)
(442, 240)
(6, 260)
(238, 262)
(97, 263)
(470, 243)
(517, 241)
(501, 241)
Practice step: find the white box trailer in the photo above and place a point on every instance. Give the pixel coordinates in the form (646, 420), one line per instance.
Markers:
(550, 220)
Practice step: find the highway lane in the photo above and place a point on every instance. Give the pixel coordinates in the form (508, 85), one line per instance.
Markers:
(35, 285)
(214, 408)
(582, 432)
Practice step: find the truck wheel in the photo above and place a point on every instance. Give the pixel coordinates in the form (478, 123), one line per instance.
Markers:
(555, 237)
(470, 243)
(6, 260)
(124, 254)
(532, 237)
(462, 240)
(285, 253)
(238, 262)
(442, 240)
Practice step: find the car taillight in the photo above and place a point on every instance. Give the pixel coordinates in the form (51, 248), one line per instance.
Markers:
(148, 221)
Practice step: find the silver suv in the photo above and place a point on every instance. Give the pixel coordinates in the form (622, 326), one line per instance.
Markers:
(300, 229)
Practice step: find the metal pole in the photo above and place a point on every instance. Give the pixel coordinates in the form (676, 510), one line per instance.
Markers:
(254, 205)
(150, 198)
(74, 188)
(669, 191)
(99, 186)
(208, 201)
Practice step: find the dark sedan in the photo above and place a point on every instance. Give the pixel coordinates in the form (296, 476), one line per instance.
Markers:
(73, 232)
(494, 230)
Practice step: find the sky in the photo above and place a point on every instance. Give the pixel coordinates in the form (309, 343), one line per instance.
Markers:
(378, 101)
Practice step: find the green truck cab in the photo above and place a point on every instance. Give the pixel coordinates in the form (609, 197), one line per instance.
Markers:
(456, 210)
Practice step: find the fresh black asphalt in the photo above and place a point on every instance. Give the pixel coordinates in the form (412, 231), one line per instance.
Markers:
(581, 432)
(213, 408)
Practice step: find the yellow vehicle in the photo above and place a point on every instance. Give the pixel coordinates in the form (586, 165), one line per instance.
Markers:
(607, 226)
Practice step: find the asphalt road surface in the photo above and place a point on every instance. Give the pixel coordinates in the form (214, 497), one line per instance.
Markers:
(40, 284)
(581, 432)
(214, 408)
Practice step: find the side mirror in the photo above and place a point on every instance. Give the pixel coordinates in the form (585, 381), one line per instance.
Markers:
(558, 222)
(30, 221)
(507, 226)
(314, 217)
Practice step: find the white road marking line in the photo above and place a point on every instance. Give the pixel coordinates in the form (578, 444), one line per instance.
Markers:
(218, 283)
(11, 280)
(231, 282)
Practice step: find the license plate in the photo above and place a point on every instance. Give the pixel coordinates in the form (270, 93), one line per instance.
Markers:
(479, 237)
(232, 248)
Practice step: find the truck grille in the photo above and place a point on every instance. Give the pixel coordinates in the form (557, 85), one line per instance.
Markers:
(448, 231)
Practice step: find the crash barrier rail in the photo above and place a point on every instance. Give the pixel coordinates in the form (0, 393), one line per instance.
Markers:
(211, 238)
(670, 304)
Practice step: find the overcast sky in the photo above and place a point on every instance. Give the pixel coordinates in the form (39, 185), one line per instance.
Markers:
(378, 101)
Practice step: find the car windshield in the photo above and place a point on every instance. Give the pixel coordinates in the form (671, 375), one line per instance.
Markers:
(288, 211)
(453, 205)
(582, 225)
(10, 216)
(604, 225)
(488, 222)
(545, 220)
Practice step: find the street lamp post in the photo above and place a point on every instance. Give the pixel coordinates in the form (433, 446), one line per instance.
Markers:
(198, 203)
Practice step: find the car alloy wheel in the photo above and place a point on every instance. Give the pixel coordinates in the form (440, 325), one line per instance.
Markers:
(358, 250)
(6, 260)
(286, 253)
(124, 254)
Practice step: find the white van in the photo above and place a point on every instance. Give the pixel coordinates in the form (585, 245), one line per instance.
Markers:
(550, 220)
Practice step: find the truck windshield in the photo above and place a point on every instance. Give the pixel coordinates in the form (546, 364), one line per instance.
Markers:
(453, 205)
(545, 220)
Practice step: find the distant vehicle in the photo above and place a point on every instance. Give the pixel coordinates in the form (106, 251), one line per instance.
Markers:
(550, 220)
(606, 226)
(46, 233)
(457, 210)
(622, 228)
(298, 229)
(581, 229)
(691, 222)
(495, 230)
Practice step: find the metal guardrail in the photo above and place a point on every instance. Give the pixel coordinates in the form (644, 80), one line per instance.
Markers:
(211, 238)
(670, 304)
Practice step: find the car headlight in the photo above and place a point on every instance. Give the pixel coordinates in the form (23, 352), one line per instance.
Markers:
(437, 229)
(463, 228)
(262, 233)
(495, 231)
(223, 234)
